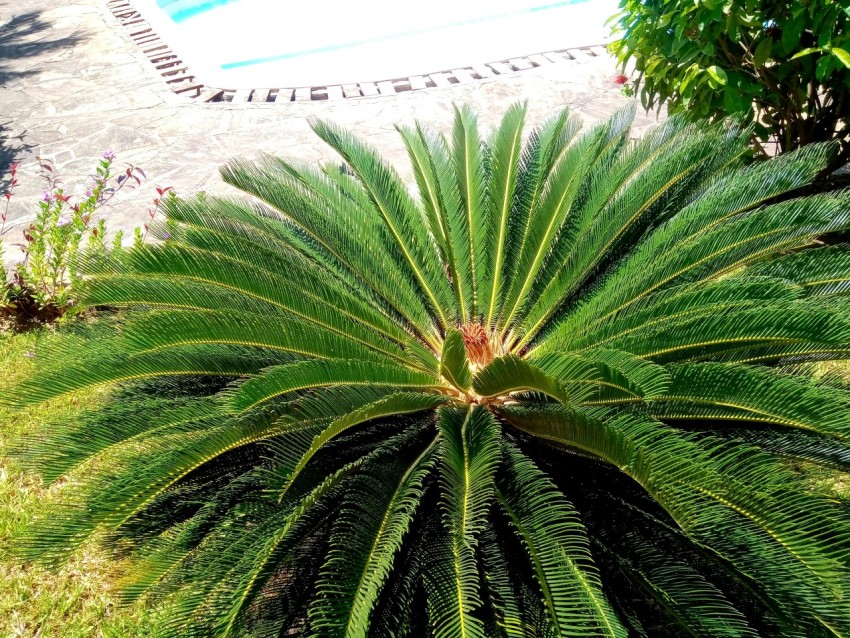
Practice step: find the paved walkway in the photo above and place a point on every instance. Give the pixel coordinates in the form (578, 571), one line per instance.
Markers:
(72, 84)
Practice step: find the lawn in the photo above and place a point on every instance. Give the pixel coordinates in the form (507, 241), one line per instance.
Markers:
(74, 602)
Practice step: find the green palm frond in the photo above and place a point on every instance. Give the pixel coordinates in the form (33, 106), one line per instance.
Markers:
(559, 384)
(454, 364)
(316, 373)
(821, 271)
(366, 540)
(512, 374)
(558, 550)
(507, 150)
(398, 212)
(470, 453)
(469, 157)
(708, 485)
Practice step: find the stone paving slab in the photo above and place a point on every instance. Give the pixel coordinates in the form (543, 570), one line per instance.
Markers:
(73, 83)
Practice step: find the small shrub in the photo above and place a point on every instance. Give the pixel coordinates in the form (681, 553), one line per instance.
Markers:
(782, 63)
(43, 284)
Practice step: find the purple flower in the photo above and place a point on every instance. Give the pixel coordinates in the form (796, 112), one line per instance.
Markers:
(108, 155)
(166, 235)
(47, 197)
(64, 220)
(89, 193)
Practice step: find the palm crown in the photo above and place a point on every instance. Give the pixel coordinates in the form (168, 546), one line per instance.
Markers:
(561, 390)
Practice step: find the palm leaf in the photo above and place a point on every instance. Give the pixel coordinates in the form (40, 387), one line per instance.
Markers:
(365, 542)
(280, 380)
(468, 156)
(398, 212)
(512, 374)
(558, 549)
(470, 454)
(703, 484)
(454, 364)
(506, 146)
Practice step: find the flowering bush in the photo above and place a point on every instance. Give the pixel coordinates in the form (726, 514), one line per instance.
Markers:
(43, 284)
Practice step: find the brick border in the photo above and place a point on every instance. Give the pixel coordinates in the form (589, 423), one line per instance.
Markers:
(181, 80)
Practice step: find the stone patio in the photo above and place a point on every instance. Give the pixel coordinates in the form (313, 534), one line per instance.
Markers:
(73, 83)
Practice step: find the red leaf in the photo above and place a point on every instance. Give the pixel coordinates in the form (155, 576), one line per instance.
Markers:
(159, 191)
(139, 170)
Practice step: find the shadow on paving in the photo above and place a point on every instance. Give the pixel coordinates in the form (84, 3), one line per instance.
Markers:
(26, 36)
(11, 148)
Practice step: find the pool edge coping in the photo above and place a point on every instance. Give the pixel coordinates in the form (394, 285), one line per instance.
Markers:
(182, 81)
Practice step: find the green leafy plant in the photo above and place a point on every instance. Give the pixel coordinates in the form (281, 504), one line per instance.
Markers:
(44, 283)
(63, 229)
(783, 64)
(558, 391)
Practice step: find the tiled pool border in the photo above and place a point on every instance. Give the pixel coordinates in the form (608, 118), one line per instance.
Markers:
(182, 81)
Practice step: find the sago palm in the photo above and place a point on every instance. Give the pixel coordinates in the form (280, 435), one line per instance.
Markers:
(560, 386)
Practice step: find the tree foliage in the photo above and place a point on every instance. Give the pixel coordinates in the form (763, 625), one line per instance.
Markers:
(560, 388)
(783, 64)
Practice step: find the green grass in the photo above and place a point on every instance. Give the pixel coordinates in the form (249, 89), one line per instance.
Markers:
(78, 600)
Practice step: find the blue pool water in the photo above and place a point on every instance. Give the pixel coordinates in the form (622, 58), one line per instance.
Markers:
(396, 35)
(274, 43)
(180, 10)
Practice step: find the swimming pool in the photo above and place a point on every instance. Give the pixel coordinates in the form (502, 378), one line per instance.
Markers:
(268, 43)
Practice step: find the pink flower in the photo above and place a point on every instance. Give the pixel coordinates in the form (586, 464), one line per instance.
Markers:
(108, 155)
(621, 79)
